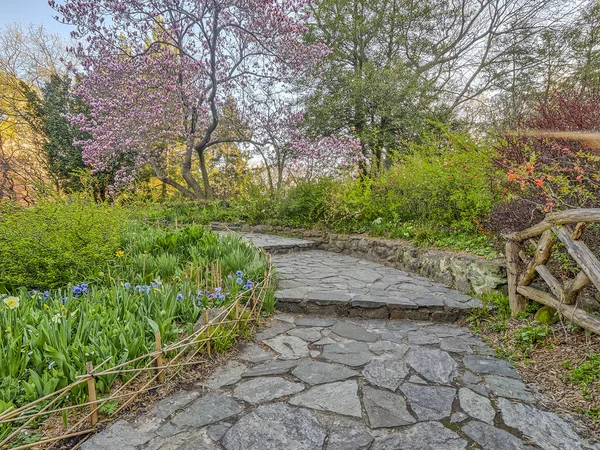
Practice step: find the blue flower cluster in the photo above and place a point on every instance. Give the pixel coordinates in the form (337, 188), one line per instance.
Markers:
(144, 289)
(239, 280)
(217, 296)
(80, 289)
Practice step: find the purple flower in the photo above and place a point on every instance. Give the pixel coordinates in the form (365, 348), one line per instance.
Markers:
(127, 285)
(239, 281)
(179, 297)
(239, 273)
(77, 290)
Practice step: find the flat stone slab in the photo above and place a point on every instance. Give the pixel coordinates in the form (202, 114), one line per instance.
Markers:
(263, 389)
(397, 392)
(422, 436)
(386, 372)
(384, 409)
(208, 409)
(354, 354)
(492, 438)
(429, 402)
(226, 375)
(270, 368)
(476, 405)
(289, 347)
(432, 364)
(353, 331)
(341, 398)
(349, 437)
(316, 372)
(546, 429)
(490, 365)
(275, 427)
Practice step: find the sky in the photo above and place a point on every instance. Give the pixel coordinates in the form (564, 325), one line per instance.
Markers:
(31, 11)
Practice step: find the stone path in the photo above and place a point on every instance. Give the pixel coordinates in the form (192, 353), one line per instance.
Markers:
(310, 382)
(340, 383)
(277, 244)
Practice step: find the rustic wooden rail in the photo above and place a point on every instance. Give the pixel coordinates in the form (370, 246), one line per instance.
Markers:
(522, 270)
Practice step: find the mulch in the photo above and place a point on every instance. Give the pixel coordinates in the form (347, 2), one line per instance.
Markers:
(543, 368)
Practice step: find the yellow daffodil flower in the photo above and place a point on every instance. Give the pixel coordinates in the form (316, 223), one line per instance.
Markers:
(12, 302)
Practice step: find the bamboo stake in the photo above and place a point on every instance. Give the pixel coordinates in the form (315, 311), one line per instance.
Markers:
(159, 359)
(207, 332)
(91, 382)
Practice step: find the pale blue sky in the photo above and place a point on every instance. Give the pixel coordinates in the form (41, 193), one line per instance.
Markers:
(31, 11)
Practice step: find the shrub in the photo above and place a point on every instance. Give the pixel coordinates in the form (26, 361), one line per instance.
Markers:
(306, 203)
(447, 180)
(546, 168)
(56, 242)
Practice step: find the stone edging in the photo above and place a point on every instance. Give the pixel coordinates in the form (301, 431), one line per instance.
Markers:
(466, 273)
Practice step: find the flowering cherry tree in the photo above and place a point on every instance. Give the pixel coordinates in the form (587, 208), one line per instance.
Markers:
(156, 75)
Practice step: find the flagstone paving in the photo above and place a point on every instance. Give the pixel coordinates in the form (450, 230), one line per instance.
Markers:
(335, 382)
(367, 387)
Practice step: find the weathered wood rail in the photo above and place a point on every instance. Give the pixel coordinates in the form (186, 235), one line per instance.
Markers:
(522, 270)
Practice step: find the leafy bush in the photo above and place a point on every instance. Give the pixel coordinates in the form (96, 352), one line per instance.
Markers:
(546, 167)
(56, 242)
(447, 180)
(306, 203)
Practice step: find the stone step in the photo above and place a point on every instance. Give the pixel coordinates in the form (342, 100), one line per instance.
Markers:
(276, 244)
(318, 282)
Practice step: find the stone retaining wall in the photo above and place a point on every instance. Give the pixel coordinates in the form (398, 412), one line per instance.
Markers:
(466, 273)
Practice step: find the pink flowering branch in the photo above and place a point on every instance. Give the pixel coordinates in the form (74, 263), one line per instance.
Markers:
(156, 75)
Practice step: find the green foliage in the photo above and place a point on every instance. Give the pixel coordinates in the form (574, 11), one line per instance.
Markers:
(306, 203)
(493, 316)
(446, 180)
(586, 374)
(56, 242)
(529, 335)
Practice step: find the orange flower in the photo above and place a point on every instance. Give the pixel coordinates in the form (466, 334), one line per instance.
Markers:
(539, 182)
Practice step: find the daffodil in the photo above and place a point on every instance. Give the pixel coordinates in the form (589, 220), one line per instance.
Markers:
(120, 253)
(12, 302)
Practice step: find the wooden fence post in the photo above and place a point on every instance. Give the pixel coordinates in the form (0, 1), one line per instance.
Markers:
(91, 382)
(159, 358)
(518, 303)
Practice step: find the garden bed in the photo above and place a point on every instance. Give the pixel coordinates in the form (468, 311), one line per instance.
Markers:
(161, 287)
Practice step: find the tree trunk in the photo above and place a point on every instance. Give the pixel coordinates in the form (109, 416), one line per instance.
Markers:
(207, 189)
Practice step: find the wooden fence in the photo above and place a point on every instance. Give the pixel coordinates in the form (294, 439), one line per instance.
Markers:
(567, 227)
(160, 366)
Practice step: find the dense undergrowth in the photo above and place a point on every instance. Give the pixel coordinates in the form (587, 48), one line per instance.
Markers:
(146, 276)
